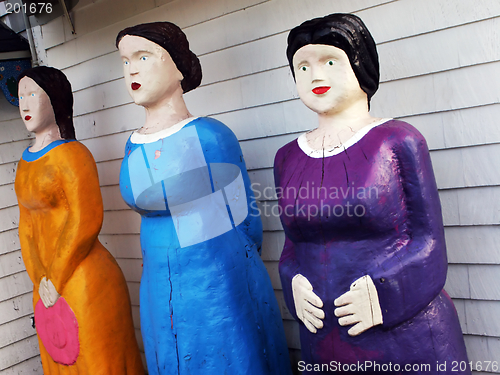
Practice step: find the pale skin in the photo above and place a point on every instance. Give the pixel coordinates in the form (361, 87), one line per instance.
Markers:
(37, 114)
(343, 109)
(38, 117)
(154, 82)
(327, 85)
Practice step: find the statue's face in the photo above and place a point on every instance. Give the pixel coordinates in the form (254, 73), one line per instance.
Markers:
(35, 106)
(325, 80)
(150, 74)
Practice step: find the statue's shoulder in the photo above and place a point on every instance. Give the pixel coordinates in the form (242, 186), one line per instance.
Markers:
(212, 125)
(400, 129)
(210, 129)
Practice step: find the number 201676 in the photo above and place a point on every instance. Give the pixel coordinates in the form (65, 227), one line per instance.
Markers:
(477, 365)
(33, 8)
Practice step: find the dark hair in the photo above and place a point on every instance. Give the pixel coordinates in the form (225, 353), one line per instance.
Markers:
(57, 87)
(174, 41)
(350, 34)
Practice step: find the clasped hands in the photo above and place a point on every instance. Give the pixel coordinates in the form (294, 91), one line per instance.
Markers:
(359, 306)
(48, 293)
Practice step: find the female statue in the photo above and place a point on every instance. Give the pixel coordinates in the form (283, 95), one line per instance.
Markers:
(82, 306)
(364, 262)
(207, 304)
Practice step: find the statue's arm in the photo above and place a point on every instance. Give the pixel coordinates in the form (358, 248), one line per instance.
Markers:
(28, 247)
(415, 272)
(82, 197)
(221, 146)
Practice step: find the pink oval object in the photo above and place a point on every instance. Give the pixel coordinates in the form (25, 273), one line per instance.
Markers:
(58, 329)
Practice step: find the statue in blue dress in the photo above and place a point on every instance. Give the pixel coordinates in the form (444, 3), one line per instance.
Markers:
(207, 304)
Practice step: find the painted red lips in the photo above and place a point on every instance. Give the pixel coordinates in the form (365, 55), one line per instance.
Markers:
(27, 117)
(135, 85)
(320, 90)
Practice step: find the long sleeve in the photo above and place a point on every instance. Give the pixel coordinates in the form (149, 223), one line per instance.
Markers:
(221, 146)
(82, 195)
(288, 265)
(415, 272)
(288, 268)
(33, 265)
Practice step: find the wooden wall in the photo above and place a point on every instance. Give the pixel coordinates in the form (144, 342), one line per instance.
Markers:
(440, 70)
(18, 342)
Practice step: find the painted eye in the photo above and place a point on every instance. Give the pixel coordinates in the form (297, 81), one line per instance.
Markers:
(144, 58)
(21, 97)
(331, 62)
(125, 63)
(303, 68)
(33, 94)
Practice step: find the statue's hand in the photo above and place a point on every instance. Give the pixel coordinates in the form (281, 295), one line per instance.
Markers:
(359, 306)
(307, 304)
(48, 293)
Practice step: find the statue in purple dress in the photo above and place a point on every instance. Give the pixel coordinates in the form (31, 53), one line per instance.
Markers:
(364, 262)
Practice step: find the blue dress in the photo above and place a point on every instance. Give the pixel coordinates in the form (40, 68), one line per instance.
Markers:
(207, 304)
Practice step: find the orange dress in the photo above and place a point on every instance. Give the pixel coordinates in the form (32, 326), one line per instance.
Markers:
(60, 218)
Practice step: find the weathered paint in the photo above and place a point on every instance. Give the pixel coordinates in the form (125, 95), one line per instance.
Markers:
(207, 304)
(405, 24)
(61, 208)
(362, 218)
(357, 215)
(57, 328)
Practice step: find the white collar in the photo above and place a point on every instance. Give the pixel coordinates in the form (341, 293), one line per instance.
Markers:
(164, 133)
(304, 146)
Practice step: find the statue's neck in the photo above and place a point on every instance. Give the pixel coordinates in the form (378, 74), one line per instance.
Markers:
(164, 114)
(355, 116)
(337, 127)
(45, 137)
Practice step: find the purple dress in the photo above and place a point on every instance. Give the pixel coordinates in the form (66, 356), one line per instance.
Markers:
(373, 209)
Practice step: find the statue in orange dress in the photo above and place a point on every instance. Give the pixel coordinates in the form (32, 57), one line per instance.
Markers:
(82, 306)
